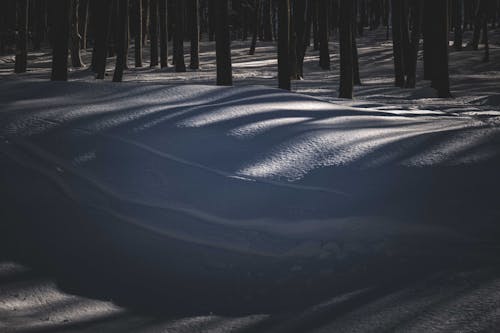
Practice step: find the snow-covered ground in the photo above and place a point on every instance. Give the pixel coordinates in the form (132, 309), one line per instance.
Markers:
(274, 210)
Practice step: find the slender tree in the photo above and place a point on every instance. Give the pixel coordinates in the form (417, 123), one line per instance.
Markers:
(163, 34)
(122, 35)
(195, 35)
(284, 44)
(346, 10)
(323, 29)
(138, 32)
(397, 42)
(76, 38)
(416, 7)
(61, 16)
(153, 31)
(256, 23)
(436, 46)
(22, 36)
(223, 44)
(180, 65)
(102, 12)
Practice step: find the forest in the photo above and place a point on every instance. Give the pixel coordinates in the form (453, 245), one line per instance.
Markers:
(249, 166)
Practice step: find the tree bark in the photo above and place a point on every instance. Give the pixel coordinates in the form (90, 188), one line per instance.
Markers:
(76, 38)
(284, 44)
(163, 33)
(102, 10)
(153, 32)
(195, 35)
(121, 42)
(346, 10)
(180, 65)
(255, 33)
(61, 16)
(22, 37)
(324, 52)
(138, 32)
(223, 44)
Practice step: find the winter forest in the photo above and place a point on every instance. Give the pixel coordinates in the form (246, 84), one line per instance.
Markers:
(249, 166)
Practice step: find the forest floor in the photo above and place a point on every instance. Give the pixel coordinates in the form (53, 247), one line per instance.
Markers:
(169, 204)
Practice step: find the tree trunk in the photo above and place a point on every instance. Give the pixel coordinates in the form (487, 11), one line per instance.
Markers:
(223, 44)
(138, 32)
(416, 14)
(436, 46)
(163, 33)
(324, 52)
(180, 65)
(121, 40)
(61, 9)
(458, 33)
(212, 19)
(255, 33)
(346, 10)
(397, 42)
(268, 20)
(76, 38)
(22, 37)
(300, 12)
(284, 44)
(83, 22)
(102, 10)
(153, 32)
(195, 35)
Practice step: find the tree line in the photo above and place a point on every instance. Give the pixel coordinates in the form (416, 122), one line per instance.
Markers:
(110, 27)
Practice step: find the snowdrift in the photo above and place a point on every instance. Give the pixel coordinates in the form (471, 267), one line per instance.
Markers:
(216, 186)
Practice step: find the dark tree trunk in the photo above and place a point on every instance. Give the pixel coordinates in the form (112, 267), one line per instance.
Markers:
(195, 35)
(138, 32)
(121, 40)
(355, 62)
(284, 44)
(39, 24)
(268, 20)
(416, 14)
(153, 32)
(145, 20)
(486, 57)
(255, 32)
(180, 65)
(163, 33)
(212, 19)
(76, 38)
(300, 12)
(436, 46)
(458, 32)
(61, 26)
(83, 22)
(22, 37)
(223, 44)
(101, 12)
(346, 10)
(324, 52)
(397, 42)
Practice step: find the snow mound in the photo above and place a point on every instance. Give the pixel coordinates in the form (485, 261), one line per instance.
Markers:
(250, 170)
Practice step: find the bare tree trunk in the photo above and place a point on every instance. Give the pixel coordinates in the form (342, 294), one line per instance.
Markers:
(324, 52)
(180, 65)
(346, 53)
(163, 33)
(76, 38)
(138, 32)
(153, 31)
(61, 37)
(122, 36)
(22, 38)
(195, 35)
(223, 44)
(255, 33)
(284, 44)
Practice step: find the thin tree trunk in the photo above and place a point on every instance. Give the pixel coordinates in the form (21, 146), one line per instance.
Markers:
(163, 33)
(22, 38)
(153, 31)
(284, 44)
(268, 20)
(83, 24)
(61, 28)
(255, 33)
(416, 30)
(195, 35)
(121, 40)
(324, 52)
(102, 10)
(76, 38)
(138, 32)
(223, 44)
(458, 32)
(180, 65)
(346, 52)
(397, 42)
(300, 12)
